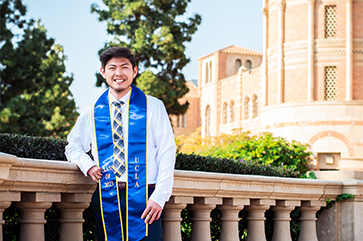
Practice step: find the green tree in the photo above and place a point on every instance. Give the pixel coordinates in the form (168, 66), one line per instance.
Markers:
(34, 91)
(152, 30)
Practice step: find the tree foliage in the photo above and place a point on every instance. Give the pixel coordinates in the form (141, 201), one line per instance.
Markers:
(265, 148)
(152, 30)
(34, 91)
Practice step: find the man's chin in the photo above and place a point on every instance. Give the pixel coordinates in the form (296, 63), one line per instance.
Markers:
(118, 90)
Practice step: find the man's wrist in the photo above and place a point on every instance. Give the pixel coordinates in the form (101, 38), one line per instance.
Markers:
(158, 199)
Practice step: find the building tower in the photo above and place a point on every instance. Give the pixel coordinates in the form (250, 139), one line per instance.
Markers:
(313, 77)
(306, 85)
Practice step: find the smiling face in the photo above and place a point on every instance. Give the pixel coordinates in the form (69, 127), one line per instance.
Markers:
(119, 75)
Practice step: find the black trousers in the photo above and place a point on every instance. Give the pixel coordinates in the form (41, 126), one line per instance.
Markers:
(155, 229)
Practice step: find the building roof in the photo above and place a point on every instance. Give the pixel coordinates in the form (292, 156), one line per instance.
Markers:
(239, 50)
(235, 50)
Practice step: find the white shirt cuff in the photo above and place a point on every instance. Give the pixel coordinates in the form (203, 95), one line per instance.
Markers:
(159, 198)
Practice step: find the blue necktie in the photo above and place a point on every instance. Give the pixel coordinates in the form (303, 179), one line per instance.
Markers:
(118, 141)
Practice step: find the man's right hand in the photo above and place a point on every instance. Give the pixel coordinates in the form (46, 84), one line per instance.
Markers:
(95, 173)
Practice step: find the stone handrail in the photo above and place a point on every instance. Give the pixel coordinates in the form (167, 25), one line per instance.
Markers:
(34, 185)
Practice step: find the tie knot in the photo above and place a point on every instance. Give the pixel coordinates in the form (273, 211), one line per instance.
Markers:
(118, 103)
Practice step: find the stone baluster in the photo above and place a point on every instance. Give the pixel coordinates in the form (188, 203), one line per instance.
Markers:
(282, 219)
(308, 219)
(201, 217)
(256, 217)
(32, 208)
(71, 215)
(6, 199)
(229, 218)
(3, 206)
(171, 217)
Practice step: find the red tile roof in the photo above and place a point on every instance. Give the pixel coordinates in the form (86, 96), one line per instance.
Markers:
(239, 50)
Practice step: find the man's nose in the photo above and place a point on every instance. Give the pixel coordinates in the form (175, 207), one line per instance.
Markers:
(119, 71)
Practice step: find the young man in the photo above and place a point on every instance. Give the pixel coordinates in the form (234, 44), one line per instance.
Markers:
(133, 146)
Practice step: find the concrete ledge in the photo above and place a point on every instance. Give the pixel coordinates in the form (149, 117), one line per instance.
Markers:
(207, 184)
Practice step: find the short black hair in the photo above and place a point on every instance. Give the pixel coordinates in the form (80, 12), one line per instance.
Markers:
(120, 52)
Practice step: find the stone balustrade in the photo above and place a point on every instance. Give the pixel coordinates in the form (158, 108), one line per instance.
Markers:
(34, 185)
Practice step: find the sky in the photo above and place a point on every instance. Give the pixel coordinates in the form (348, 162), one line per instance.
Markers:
(72, 25)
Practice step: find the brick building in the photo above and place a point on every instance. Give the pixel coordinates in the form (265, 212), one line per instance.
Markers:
(307, 85)
(187, 123)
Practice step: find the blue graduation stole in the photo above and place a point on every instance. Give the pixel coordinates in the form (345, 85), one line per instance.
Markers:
(136, 167)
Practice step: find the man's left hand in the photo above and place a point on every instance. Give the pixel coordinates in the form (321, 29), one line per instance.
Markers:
(152, 212)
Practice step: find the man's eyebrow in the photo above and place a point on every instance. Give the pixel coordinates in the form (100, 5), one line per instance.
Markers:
(114, 65)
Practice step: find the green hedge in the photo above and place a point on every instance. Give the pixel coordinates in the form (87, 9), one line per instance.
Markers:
(53, 149)
(194, 162)
(33, 147)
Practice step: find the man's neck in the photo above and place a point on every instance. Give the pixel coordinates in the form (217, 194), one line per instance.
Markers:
(119, 95)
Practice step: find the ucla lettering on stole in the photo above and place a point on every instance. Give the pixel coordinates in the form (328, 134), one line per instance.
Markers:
(136, 171)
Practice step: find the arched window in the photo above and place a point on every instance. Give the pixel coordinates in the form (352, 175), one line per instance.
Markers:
(225, 113)
(206, 73)
(247, 108)
(255, 106)
(207, 121)
(231, 111)
(248, 64)
(237, 65)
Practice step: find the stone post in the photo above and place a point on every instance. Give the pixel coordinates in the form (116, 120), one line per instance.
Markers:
(6, 199)
(256, 217)
(282, 219)
(280, 52)
(32, 220)
(3, 206)
(308, 219)
(349, 50)
(32, 208)
(171, 217)
(311, 49)
(229, 218)
(201, 217)
(71, 215)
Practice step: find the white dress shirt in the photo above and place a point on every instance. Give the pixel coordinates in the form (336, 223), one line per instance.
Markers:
(161, 145)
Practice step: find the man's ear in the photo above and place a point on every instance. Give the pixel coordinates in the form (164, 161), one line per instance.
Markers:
(103, 72)
(135, 72)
